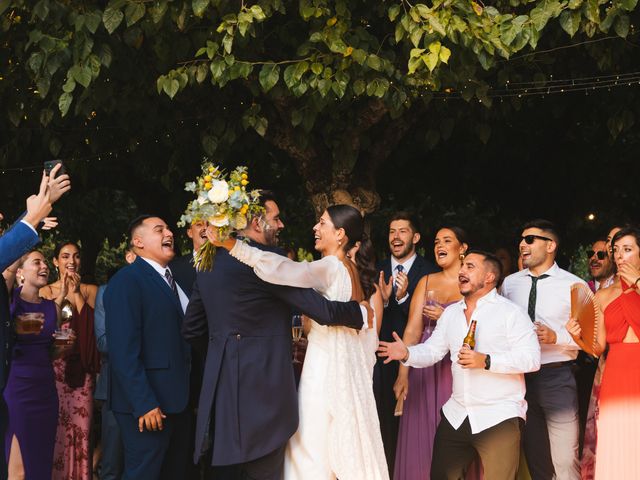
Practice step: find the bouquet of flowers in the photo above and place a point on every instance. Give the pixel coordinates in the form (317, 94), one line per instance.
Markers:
(224, 202)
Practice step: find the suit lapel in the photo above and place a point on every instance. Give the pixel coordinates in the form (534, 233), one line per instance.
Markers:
(417, 271)
(161, 284)
(387, 269)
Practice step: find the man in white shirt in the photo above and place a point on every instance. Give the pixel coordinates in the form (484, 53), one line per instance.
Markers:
(484, 411)
(544, 290)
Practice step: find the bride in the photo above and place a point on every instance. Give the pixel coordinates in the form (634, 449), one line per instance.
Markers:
(339, 434)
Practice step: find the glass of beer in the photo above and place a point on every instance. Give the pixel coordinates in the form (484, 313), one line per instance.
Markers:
(29, 323)
(62, 337)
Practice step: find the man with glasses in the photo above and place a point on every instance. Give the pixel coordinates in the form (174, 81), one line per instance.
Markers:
(600, 265)
(544, 291)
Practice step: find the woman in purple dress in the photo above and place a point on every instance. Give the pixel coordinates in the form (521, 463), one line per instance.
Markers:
(425, 390)
(30, 392)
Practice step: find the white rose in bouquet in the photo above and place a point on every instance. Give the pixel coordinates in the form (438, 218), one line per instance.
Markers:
(221, 220)
(219, 191)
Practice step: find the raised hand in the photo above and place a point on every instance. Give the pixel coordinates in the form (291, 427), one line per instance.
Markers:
(49, 223)
(39, 206)
(629, 274)
(393, 350)
(214, 238)
(402, 284)
(386, 288)
(58, 185)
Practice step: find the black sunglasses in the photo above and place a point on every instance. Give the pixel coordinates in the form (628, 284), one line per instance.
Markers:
(601, 254)
(529, 239)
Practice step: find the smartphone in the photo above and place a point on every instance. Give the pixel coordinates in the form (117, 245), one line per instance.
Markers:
(49, 164)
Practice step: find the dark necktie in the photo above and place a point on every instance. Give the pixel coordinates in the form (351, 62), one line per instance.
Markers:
(171, 281)
(399, 268)
(533, 293)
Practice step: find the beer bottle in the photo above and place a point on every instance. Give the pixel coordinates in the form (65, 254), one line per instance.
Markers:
(470, 339)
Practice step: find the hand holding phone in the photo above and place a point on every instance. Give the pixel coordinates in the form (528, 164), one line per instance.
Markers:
(59, 181)
(50, 164)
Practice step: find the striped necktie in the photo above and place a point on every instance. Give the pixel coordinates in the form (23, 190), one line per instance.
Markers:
(171, 281)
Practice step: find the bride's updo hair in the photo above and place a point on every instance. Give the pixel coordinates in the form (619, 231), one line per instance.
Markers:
(350, 219)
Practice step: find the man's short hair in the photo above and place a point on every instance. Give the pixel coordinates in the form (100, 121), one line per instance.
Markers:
(267, 196)
(491, 262)
(409, 217)
(544, 225)
(135, 224)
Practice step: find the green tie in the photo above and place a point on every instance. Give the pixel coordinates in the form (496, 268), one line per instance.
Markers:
(533, 294)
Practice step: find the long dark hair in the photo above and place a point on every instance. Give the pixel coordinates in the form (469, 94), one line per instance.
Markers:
(366, 263)
(350, 219)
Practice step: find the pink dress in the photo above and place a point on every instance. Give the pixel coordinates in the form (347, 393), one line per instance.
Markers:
(75, 381)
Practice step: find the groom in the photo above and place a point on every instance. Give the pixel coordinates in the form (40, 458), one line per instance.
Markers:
(248, 404)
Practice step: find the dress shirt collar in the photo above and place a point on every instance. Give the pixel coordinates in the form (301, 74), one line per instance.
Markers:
(552, 272)
(490, 297)
(182, 297)
(406, 264)
(156, 266)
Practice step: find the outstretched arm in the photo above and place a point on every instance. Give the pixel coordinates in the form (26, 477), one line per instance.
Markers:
(323, 311)
(274, 268)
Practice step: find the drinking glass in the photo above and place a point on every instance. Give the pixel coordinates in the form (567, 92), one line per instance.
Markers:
(296, 328)
(62, 336)
(430, 300)
(29, 323)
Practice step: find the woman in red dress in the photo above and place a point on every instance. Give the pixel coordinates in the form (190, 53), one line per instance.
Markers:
(619, 409)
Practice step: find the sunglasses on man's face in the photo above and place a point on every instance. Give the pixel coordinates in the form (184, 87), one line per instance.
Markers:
(601, 254)
(529, 239)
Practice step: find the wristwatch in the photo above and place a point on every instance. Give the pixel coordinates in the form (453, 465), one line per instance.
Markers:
(487, 362)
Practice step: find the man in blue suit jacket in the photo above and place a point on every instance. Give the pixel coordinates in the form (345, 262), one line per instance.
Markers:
(248, 404)
(399, 275)
(149, 360)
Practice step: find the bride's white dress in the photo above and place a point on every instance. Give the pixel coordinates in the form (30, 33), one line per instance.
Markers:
(339, 432)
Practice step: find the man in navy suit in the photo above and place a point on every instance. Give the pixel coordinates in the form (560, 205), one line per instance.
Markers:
(398, 279)
(248, 405)
(149, 360)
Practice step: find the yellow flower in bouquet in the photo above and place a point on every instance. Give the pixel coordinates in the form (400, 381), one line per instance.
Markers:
(223, 201)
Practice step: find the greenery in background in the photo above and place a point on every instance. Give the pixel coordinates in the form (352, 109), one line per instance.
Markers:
(580, 263)
(386, 104)
(109, 258)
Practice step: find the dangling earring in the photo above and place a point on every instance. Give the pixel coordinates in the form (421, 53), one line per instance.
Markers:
(461, 257)
(21, 279)
(339, 243)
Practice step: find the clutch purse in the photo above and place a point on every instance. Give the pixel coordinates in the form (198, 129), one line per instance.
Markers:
(399, 406)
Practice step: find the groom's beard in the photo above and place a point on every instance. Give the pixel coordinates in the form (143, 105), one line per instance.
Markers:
(271, 236)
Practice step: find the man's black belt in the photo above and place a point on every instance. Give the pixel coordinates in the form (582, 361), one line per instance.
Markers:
(557, 364)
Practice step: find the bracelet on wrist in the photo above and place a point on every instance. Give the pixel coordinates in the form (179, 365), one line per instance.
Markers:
(635, 284)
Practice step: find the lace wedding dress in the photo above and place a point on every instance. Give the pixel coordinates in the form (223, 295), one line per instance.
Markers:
(339, 433)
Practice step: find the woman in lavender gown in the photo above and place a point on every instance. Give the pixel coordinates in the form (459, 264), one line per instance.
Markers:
(425, 390)
(30, 393)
